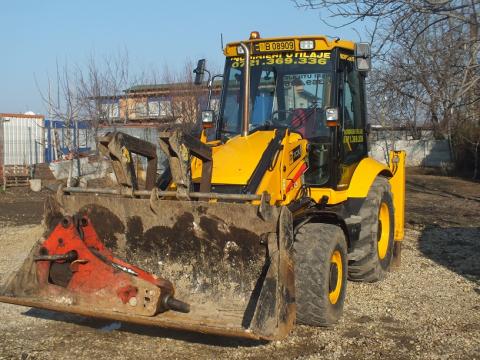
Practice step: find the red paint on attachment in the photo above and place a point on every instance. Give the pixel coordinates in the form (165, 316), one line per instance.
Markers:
(95, 270)
(126, 293)
(297, 175)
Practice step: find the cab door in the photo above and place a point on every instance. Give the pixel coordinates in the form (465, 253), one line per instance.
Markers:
(352, 134)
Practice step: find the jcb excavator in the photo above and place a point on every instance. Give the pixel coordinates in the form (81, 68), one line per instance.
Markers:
(256, 224)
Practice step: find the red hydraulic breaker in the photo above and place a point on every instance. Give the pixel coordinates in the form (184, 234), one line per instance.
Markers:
(72, 264)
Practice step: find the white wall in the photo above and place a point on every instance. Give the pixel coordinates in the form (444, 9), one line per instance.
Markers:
(430, 153)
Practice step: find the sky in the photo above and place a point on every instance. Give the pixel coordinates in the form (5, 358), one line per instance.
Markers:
(36, 35)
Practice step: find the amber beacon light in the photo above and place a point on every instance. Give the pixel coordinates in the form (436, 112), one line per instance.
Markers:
(254, 35)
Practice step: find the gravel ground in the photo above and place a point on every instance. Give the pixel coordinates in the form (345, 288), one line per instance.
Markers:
(429, 309)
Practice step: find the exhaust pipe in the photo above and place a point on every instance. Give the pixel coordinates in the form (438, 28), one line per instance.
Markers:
(246, 90)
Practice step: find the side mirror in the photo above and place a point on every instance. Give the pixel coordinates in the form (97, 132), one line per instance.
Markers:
(331, 114)
(363, 57)
(207, 119)
(199, 72)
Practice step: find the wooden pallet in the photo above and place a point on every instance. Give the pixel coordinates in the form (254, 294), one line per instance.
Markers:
(15, 175)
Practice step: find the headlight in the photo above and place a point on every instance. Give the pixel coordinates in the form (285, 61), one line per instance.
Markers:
(207, 116)
(307, 44)
(332, 114)
(332, 117)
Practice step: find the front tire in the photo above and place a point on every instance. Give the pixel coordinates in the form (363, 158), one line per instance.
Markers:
(320, 274)
(372, 253)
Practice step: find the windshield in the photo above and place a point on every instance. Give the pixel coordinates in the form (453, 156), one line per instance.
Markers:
(287, 90)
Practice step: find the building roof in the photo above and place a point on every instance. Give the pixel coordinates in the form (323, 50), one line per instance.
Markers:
(22, 116)
(159, 90)
(164, 87)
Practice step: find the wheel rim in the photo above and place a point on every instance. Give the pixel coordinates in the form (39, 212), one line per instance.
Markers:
(383, 234)
(336, 275)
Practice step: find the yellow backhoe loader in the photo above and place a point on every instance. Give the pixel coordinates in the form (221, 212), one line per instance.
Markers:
(255, 224)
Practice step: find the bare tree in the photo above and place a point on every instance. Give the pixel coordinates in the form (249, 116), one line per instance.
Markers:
(75, 94)
(427, 63)
(97, 81)
(394, 19)
(187, 98)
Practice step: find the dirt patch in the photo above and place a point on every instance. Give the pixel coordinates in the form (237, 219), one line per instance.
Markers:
(21, 206)
(442, 201)
(16, 243)
(429, 309)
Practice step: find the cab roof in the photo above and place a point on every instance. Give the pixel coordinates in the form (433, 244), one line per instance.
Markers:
(292, 43)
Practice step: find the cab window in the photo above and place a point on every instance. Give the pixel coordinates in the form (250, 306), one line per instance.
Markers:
(353, 115)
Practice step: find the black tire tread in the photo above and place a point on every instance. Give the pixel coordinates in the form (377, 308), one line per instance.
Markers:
(313, 246)
(368, 268)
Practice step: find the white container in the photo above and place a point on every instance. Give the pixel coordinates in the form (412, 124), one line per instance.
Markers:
(23, 139)
(35, 185)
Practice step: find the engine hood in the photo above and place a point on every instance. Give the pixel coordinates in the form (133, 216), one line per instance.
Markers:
(235, 160)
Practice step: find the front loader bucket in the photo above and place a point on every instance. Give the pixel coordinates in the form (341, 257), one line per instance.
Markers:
(213, 267)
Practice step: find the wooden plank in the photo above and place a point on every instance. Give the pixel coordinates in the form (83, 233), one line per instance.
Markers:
(15, 176)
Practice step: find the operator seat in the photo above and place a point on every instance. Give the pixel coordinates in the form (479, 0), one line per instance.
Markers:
(304, 121)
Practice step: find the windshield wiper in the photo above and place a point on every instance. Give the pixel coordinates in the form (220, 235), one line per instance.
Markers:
(268, 126)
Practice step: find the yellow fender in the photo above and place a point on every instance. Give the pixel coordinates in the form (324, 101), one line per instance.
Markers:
(365, 173)
(397, 183)
(358, 185)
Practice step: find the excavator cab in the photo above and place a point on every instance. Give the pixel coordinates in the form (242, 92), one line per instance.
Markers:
(295, 91)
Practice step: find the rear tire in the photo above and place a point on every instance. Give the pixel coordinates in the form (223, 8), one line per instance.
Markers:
(374, 249)
(320, 274)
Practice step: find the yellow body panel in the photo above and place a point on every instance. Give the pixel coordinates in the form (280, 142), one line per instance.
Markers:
(346, 173)
(235, 161)
(364, 175)
(334, 196)
(356, 180)
(397, 182)
(287, 167)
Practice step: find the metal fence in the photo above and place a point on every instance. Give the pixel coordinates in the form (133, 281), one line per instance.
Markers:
(61, 138)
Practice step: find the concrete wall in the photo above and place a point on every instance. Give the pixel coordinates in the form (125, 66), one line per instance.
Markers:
(430, 153)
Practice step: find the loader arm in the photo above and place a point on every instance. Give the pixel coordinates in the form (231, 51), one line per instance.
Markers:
(118, 147)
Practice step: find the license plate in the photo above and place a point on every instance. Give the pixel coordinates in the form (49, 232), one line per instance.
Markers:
(271, 46)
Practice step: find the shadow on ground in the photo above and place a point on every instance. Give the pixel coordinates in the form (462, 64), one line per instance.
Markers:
(456, 248)
(107, 326)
